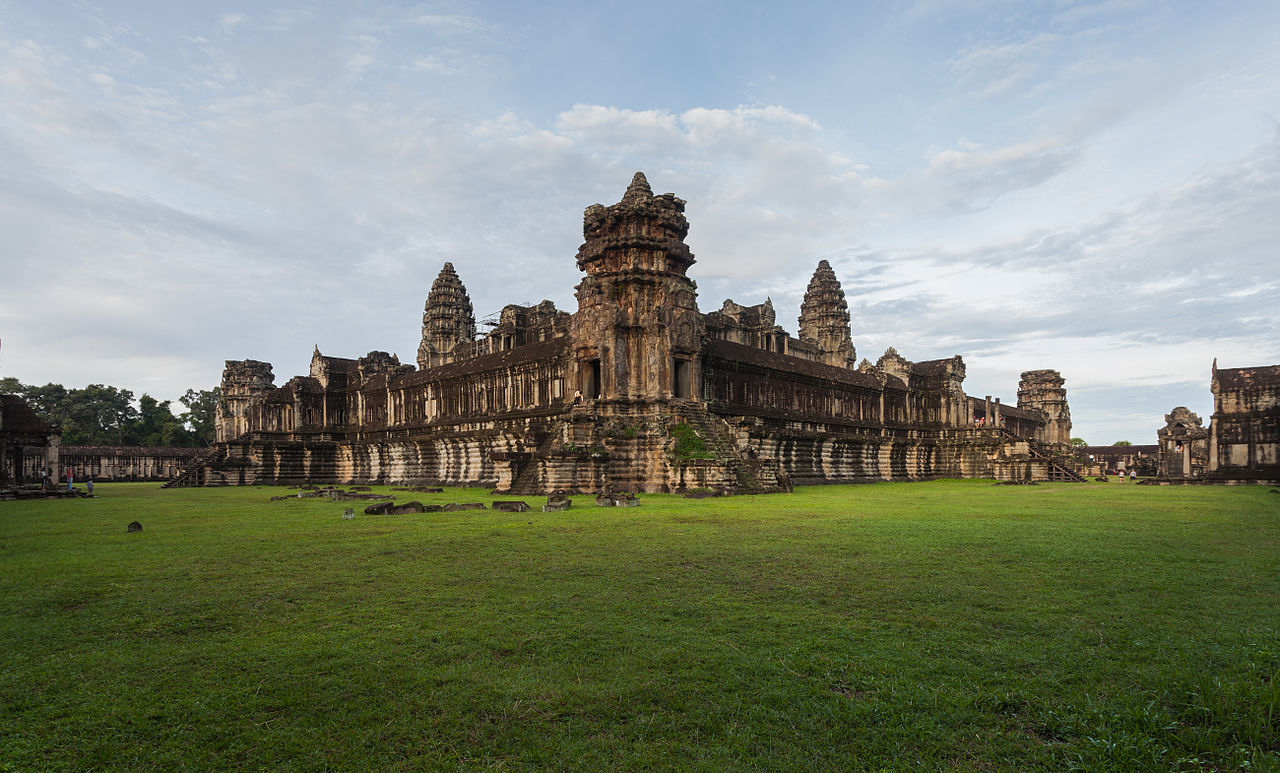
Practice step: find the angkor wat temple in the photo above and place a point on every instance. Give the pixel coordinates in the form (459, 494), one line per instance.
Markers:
(638, 390)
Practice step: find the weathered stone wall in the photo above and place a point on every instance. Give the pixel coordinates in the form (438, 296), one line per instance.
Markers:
(1244, 442)
(1106, 460)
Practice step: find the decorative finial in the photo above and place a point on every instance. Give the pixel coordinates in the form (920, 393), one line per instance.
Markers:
(638, 190)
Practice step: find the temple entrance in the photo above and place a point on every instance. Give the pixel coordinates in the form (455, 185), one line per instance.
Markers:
(591, 379)
(680, 378)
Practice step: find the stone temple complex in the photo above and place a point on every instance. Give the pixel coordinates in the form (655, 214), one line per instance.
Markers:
(638, 390)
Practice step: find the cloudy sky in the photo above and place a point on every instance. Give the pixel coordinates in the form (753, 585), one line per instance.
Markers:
(1087, 186)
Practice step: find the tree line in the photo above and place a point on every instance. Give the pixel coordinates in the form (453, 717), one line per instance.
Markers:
(101, 415)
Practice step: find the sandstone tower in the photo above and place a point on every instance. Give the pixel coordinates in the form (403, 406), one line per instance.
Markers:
(824, 319)
(244, 382)
(1042, 390)
(638, 333)
(447, 321)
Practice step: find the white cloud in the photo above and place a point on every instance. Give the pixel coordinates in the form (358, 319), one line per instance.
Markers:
(230, 21)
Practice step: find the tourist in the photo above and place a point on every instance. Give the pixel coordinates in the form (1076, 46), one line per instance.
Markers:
(577, 397)
(89, 486)
(1133, 475)
(70, 479)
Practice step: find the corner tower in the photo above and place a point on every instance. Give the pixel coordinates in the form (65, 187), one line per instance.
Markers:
(1042, 390)
(824, 318)
(638, 333)
(447, 320)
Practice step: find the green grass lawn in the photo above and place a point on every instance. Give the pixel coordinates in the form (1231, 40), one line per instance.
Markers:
(952, 625)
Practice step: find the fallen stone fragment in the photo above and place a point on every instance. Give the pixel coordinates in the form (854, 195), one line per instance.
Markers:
(378, 509)
(454, 506)
(405, 509)
(516, 506)
(135, 526)
(557, 501)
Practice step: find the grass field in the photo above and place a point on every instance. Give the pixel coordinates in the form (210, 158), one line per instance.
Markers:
(952, 625)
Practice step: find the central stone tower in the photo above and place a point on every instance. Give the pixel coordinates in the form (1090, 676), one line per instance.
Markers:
(638, 333)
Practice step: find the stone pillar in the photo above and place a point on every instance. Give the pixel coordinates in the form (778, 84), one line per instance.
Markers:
(53, 455)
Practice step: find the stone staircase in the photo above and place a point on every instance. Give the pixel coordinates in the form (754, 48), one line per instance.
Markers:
(529, 481)
(753, 476)
(193, 473)
(1056, 471)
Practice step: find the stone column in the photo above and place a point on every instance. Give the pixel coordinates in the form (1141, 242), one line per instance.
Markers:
(52, 455)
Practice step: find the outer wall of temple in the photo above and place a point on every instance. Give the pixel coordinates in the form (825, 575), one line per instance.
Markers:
(114, 463)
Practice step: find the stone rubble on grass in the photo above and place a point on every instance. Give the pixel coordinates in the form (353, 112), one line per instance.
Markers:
(511, 506)
(557, 501)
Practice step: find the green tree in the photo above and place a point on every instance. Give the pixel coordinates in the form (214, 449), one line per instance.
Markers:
(156, 425)
(104, 415)
(1122, 443)
(202, 409)
(103, 412)
(1079, 442)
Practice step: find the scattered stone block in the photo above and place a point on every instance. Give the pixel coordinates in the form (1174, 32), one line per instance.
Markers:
(453, 507)
(135, 526)
(348, 514)
(378, 509)
(515, 506)
(361, 488)
(405, 509)
(557, 501)
(616, 500)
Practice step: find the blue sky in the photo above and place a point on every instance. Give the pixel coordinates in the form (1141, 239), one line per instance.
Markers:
(1087, 186)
